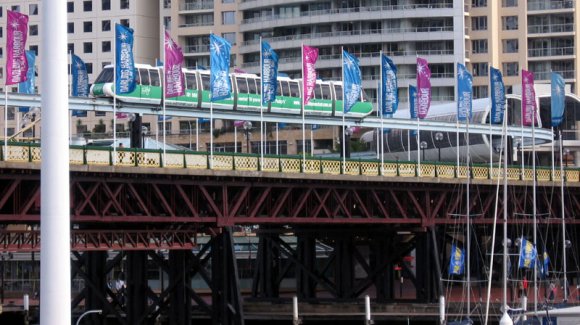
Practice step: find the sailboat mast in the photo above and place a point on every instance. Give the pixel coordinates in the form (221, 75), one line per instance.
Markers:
(534, 206)
(563, 221)
(468, 217)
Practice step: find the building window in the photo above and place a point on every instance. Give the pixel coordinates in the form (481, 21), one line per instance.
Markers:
(228, 1)
(106, 25)
(106, 46)
(106, 5)
(509, 3)
(1, 31)
(70, 6)
(509, 22)
(88, 47)
(87, 6)
(479, 46)
(479, 23)
(480, 69)
(228, 18)
(167, 4)
(87, 26)
(167, 23)
(33, 9)
(125, 22)
(89, 67)
(33, 30)
(70, 47)
(34, 48)
(104, 64)
(511, 69)
(1, 11)
(230, 37)
(480, 92)
(510, 46)
(70, 28)
(1, 52)
(479, 3)
(15, 8)
(124, 4)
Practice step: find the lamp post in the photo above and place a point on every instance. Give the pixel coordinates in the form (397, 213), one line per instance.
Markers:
(189, 124)
(423, 145)
(144, 131)
(438, 139)
(94, 311)
(247, 128)
(566, 155)
(347, 132)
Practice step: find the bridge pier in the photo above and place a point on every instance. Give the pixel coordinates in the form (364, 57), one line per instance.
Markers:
(306, 249)
(180, 277)
(266, 283)
(344, 266)
(96, 270)
(384, 280)
(137, 293)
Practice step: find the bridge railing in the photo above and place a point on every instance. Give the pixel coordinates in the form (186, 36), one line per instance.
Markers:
(147, 158)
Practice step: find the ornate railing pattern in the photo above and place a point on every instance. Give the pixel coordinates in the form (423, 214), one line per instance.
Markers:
(146, 158)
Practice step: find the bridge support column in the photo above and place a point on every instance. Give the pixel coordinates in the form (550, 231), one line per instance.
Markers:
(344, 266)
(305, 285)
(226, 297)
(136, 287)
(266, 284)
(379, 252)
(180, 276)
(425, 276)
(137, 132)
(96, 273)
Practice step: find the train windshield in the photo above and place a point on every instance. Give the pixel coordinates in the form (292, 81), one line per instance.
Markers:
(105, 76)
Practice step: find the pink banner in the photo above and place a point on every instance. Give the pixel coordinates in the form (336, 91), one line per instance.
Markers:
(239, 124)
(423, 88)
(174, 81)
(310, 55)
(16, 34)
(528, 98)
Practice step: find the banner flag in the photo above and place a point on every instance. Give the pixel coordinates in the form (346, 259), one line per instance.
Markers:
(352, 81)
(558, 99)
(16, 35)
(174, 78)
(456, 260)
(528, 254)
(497, 95)
(423, 88)
(28, 86)
(269, 73)
(465, 93)
(544, 269)
(528, 98)
(124, 60)
(413, 101)
(219, 53)
(80, 77)
(310, 55)
(389, 88)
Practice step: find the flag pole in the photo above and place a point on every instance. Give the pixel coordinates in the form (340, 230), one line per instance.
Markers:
(197, 135)
(6, 121)
(343, 113)
(69, 79)
(164, 58)
(261, 106)
(210, 116)
(114, 87)
(381, 143)
(303, 108)
(562, 213)
(409, 131)
(277, 152)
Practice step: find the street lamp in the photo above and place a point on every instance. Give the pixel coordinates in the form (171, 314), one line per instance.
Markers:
(566, 155)
(144, 131)
(438, 139)
(347, 133)
(423, 145)
(94, 311)
(247, 127)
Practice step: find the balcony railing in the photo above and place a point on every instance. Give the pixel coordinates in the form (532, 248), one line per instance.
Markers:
(554, 28)
(325, 12)
(550, 4)
(546, 75)
(555, 51)
(192, 49)
(353, 33)
(197, 24)
(197, 6)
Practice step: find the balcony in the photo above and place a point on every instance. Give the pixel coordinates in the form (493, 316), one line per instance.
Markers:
(189, 6)
(326, 12)
(196, 49)
(549, 29)
(555, 51)
(550, 5)
(546, 75)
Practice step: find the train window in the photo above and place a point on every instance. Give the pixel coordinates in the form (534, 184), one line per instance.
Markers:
(190, 81)
(144, 77)
(155, 78)
(338, 91)
(286, 88)
(317, 92)
(242, 85)
(258, 85)
(325, 91)
(252, 86)
(294, 89)
(105, 76)
(279, 89)
(205, 81)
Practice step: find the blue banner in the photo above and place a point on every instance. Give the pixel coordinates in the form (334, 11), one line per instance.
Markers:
(558, 99)
(352, 81)
(413, 101)
(528, 254)
(497, 96)
(389, 87)
(80, 77)
(269, 73)
(456, 260)
(544, 269)
(219, 56)
(28, 86)
(464, 93)
(125, 81)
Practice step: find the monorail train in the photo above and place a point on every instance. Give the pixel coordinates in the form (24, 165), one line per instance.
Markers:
(245, 93)
(402, 144)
